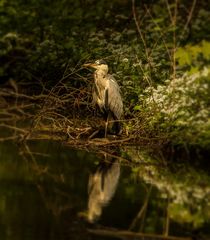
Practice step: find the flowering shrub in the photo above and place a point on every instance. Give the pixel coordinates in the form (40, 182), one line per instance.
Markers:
(181, 108)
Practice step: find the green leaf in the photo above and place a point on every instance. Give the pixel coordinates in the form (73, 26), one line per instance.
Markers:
(137, 108)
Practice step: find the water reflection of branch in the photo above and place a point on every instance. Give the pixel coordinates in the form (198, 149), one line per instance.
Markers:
(4, 139)
(29, 157)
(167, 222)
(142, 212)
(54, 205)
(131, 161)
(114, 156)
(128, 234)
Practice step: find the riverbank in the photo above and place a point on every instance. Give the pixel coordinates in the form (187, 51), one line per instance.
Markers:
(175, 114)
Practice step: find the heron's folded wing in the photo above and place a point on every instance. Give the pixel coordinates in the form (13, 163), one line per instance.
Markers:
(114, 98)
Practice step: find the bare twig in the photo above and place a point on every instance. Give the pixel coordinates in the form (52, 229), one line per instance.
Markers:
(12, 128)
(188, 20)
(139, 29)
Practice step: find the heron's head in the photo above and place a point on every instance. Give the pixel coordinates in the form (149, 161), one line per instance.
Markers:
(100, 65)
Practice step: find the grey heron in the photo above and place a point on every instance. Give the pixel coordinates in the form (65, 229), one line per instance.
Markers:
(107, 94)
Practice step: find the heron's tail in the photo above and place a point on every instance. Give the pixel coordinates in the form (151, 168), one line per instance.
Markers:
(115, 126)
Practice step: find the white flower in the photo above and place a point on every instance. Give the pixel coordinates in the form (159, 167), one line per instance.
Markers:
(125, 60)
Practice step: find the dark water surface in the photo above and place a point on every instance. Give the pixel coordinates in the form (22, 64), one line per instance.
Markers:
(49, 191)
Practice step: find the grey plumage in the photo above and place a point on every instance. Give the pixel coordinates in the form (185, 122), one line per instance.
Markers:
(115, 104)
(106, 92)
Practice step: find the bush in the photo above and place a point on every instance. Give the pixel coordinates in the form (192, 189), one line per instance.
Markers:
(180, 109)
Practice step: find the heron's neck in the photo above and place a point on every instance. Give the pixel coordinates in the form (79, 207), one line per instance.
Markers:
(101, 72)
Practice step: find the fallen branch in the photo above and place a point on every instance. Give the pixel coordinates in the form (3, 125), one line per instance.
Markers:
(105, 142)
(129, 234)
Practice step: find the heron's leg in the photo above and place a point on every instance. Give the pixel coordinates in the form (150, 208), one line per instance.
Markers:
(106, 125)
(93, 134)
(106, 102)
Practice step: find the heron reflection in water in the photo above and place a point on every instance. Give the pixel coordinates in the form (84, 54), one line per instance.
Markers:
(107, 95)
(101, 188)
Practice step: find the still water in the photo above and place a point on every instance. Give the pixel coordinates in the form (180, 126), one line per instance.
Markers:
(49, 191)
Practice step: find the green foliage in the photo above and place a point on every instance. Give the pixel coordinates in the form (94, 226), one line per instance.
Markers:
(194, 57)
(48, 35)
(180, 109)
(57, 33)
(200, 26)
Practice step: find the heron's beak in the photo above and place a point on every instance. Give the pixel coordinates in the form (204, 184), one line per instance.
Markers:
(93, 65)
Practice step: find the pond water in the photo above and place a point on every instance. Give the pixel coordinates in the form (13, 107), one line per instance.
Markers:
(49, 191)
